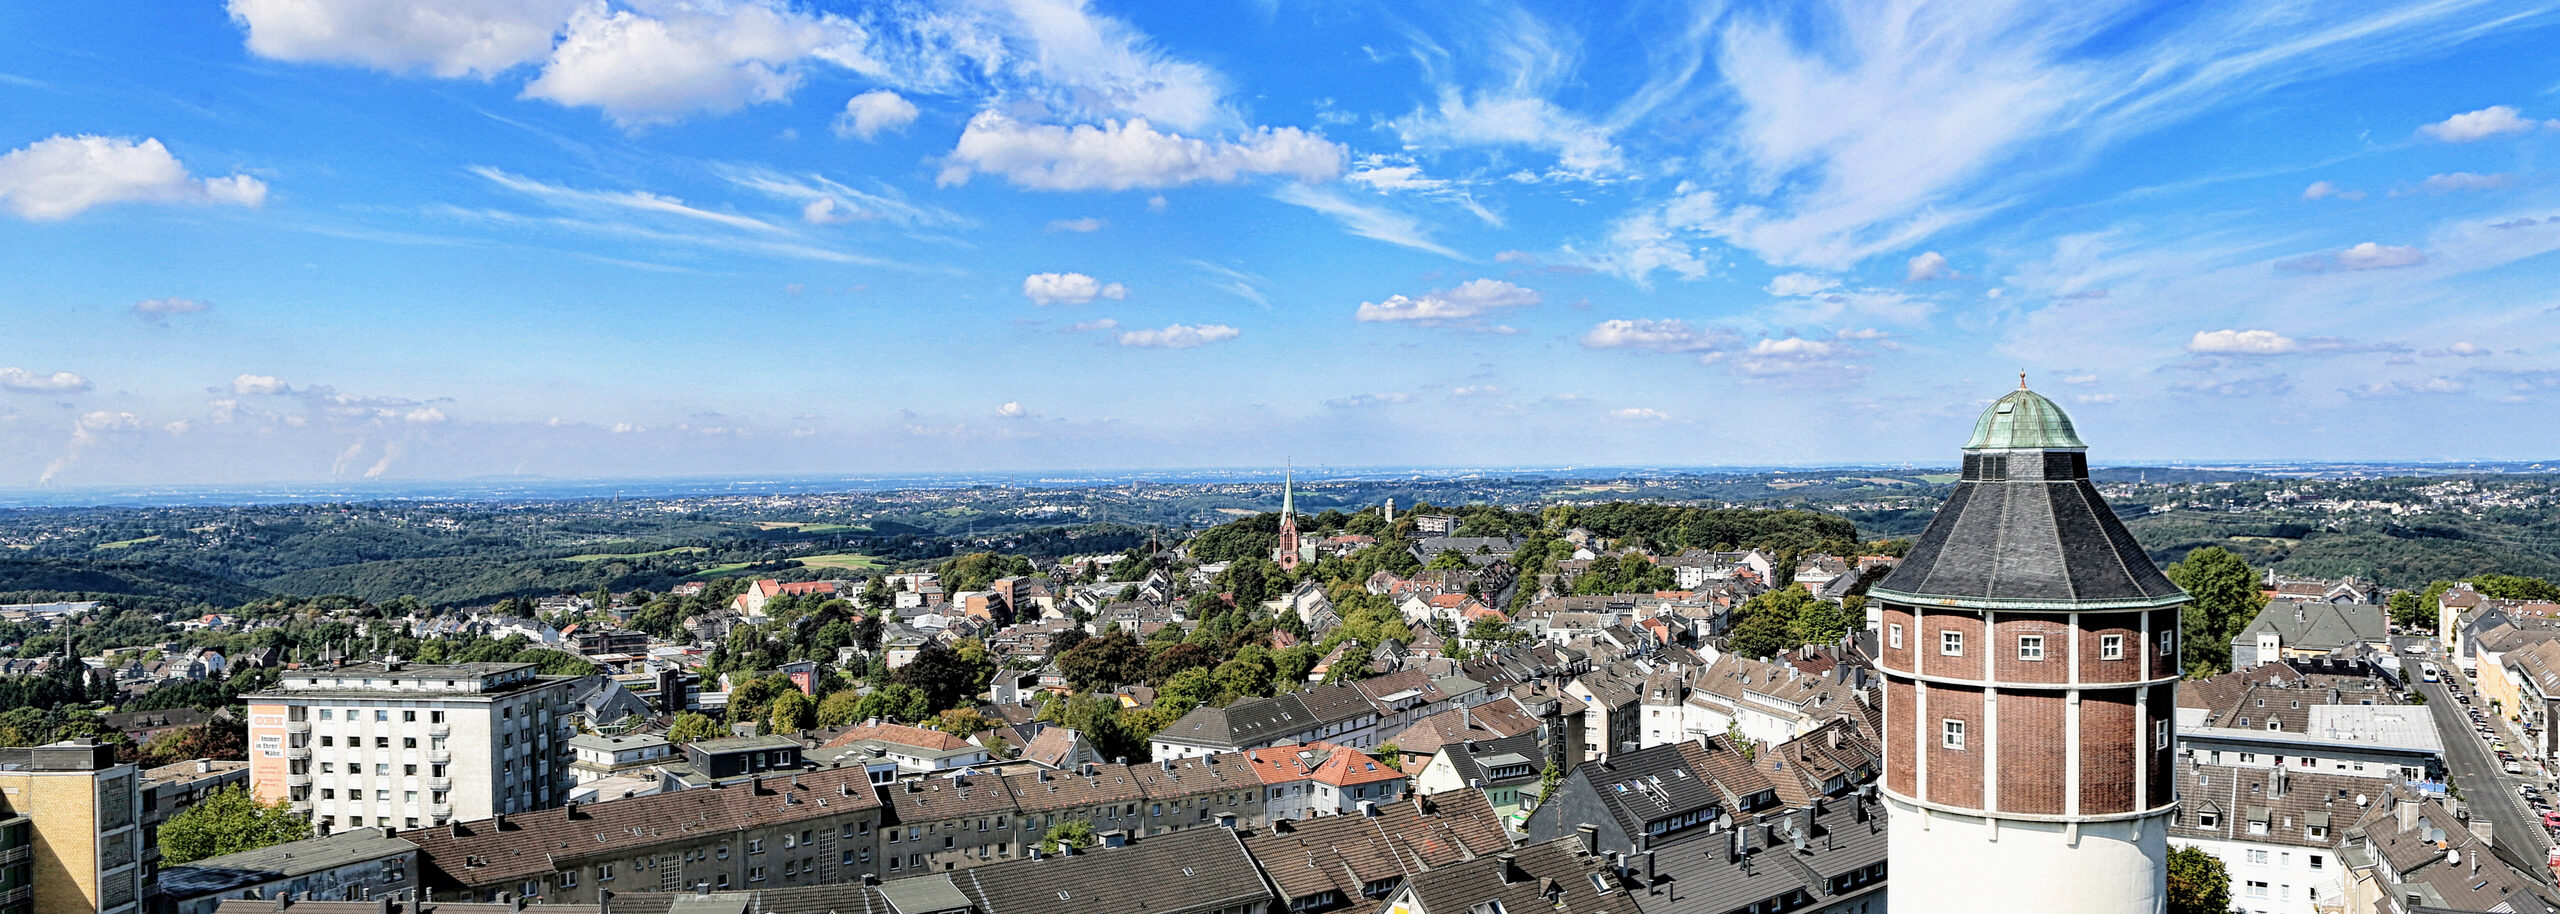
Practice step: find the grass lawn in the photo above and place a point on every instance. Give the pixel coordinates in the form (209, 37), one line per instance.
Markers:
(601, 556)
(120, 544)
(1938, 479)
(718, 570)
(853, 561)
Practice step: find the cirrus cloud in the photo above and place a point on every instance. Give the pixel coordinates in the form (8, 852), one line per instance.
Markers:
(2366, 256)
(1660, 336)
(2242, 342)
(1462, 305)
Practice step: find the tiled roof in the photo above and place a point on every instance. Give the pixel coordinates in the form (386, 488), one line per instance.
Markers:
(482, 851)
(902, 735)
(1555, 876)
(1348, 853)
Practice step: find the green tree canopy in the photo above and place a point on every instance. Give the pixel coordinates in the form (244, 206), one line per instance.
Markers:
(2198, 882)
(227, 822)
(793, 712)
(690, 726)
(2227, 598)
(1067, 833)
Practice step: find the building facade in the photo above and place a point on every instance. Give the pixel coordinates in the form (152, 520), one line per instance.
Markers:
(395, 745)
(83, 815)
(2030, 658)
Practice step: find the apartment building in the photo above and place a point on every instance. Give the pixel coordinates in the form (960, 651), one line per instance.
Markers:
(83, 813)
(772, 831)
(396, 745)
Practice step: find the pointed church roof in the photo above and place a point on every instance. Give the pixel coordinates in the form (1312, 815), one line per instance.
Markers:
(2025, 528)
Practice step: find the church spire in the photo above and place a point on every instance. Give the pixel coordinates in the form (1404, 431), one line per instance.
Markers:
(1288, 499)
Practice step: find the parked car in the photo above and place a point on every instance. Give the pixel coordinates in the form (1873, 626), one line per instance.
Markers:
(2513, 768)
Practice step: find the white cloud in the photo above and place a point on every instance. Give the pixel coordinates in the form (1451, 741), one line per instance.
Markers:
(2463, 349)
(60, 177)
(1660, 336)
(2402, 388)
(161, 308)
(1792, 355)
(1012, 409)
(447, 38)
(1477, 390)
(425, 415)
(1364, 401)
(2463, 180)
(868, 115)
(2366, 256)
(2323, 189)
(258, 385)
(1178, 336)
(1093, 325)
(1377, 175)
(825, 211)
(2242, 342)
(1379, 223)
(1638, 413)
(826, 201)
(1069, 289)
(1927, 266)
(1081, 225)
(1124, 155)
(1790, 285)
(31, 382)
(1641, 242)
(644, 70)
(1582, 149)
(625, 200)
(2492, 121)
(1469, 300)
(2093, 398)
(2081, 380)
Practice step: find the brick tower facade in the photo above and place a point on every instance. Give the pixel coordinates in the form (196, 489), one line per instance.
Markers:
(1286, 553)
(2030, 656)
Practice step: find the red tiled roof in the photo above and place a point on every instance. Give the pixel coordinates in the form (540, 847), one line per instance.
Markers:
(900, 734)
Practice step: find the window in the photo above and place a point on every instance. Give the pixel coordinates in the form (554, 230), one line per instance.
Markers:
(1951, 643)
(2316, 861)
(324, 741)
(2206, 818)
(382, 716)
(382, 742)
(435, 717)
(326, 714)
(604, 872)
(2031, 647)
(408, 717)
(1951, 733)
(2257, 889)
(756, 845)
(724, 852)
(1893, 635)
(2168, 643)
(411, 770)
(2257, 858)
(2110, 647)
(408, 742)
(2160, 734)
(328, 793)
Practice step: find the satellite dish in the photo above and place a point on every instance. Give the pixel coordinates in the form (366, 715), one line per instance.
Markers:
(1724, 821)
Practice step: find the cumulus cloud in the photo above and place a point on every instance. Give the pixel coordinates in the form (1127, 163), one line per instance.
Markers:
(2242, 342)
(1463, 305)
(1178, 336)
(2402, 388)
(1791, 285)
(1929, 265)
(1082, 225)
(33, 382)
(2366, 256)
(644, 70)
(2462, 350)
(1477, 390)
(1582, 149)
(2093, 398)
(2463, 180)
(2252, 386)
(1069, 289)
(1792, 356)
(1639, 413)
(60, 177)
(258, 385)
(1120, 155)
(2492, 121)
(88, 433)
(1094, 325)
(425, 415)
(1012, 409)
(1660, 336)
(447, 38)
(872, 113)
(2320, 190)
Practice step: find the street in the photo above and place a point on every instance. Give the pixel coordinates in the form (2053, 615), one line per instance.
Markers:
(2475, 772)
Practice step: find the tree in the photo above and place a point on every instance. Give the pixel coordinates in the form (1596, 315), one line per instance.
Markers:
(2227, 599)
(963, 722)
(1103, 662)
(1067, 833)
(221, 738)
(689, 726)
(794, 712)
(1821, 622)
(227, 822)
(947, 679)
(838, 708)
(894, 702)
(2198, 882)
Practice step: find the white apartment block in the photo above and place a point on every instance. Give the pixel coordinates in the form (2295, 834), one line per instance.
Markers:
(396, 745)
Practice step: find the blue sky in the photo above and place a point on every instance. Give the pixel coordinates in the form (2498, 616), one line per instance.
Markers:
(317, 239)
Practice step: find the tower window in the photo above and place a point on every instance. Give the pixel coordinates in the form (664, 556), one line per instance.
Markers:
(2168, 643)
(1951, 733)
(2031, 647)
(2110, 647)
(1951, 643)
(1893, 635)
(2160, 734)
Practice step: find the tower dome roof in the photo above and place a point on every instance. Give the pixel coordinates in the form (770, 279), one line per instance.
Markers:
(2023, 420)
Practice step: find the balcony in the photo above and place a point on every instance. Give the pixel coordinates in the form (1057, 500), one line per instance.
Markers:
(441, 811)
(21, 893)
(15, 854)
(297, 752)
(297, 726)
(439, 730)
(435, 783)
(439, 756)
(297, 779)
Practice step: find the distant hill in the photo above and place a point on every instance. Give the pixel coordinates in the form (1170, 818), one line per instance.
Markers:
(467, 580)
(25, 580)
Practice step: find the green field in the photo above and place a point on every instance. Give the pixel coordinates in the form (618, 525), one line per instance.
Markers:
(125, 544)
(601, 556)
(718, 570)
(802, 526)
(1937, 479)
(852, 561)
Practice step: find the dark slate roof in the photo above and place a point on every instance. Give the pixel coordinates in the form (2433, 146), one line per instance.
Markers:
(1704, 872)
(1194, 870)
(1469, 759)
(2027, 528)
(1525, 881)
(1247, 722)
(1347, 853)
(483, 852)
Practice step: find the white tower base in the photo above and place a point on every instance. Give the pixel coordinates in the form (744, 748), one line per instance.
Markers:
(1946, 863)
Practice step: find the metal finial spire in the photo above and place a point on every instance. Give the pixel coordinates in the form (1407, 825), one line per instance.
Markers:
(2022, 379)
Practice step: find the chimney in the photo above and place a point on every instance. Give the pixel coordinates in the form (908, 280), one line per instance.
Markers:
(1510, 868)
(284, 900)
(204, 766)
(1590, 835)
(1648, 870)
(500, 822)
(2407, 812)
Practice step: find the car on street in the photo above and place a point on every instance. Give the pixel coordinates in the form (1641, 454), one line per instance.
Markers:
(2513, 768)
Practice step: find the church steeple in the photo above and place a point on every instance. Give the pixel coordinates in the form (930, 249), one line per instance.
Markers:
(1286, 552)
